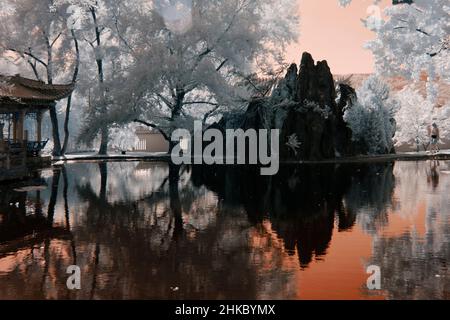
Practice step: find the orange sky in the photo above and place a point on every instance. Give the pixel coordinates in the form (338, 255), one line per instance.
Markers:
(335, 34)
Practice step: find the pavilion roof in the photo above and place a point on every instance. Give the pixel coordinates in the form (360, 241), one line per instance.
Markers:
(19, 90)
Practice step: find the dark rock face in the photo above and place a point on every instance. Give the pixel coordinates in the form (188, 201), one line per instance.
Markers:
(316, 119)
(305, 108)
(315, 82)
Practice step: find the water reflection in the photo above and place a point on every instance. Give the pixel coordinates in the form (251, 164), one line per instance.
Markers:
(150, 231)
(303, 202)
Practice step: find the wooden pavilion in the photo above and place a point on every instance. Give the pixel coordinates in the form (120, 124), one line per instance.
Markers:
(20, 99)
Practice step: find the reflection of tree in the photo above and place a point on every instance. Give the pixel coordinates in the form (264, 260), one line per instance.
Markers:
(54, 194)
(142, 248)
(414, 264)
(370, 195)
(414, 267)
(67, 212)
(175, 203)
(29, 235)
(186, 263)
(230, 243)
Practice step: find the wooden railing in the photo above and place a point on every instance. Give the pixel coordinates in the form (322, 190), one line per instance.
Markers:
(34, 148)
(14, 154)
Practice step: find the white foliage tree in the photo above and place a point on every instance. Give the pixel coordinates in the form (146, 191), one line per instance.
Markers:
(413, 118)
(103, 25)
(371, 117)
(414, 40)
(165, 62)
(123, 138)
(194, 50)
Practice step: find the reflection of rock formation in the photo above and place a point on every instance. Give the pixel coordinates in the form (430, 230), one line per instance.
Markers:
(303, 201)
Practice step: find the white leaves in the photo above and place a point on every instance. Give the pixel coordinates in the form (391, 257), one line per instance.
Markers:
(76, 17)
(412, 40)
(177, 14)
(371, 117)
(202, 44)
(123, 138)
(374, 21)
(153, 52)
(413, 117)
(432, 92)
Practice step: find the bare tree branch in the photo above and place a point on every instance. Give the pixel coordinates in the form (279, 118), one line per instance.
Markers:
(200, 102)
(154, 126)
(56, 39)
(29, 54)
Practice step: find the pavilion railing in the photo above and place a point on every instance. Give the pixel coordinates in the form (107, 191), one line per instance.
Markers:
(14, 154)
(33, 148)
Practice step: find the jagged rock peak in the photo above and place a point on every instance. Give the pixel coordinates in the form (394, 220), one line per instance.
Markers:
(311, 82)
(315, 82)
(287, 87)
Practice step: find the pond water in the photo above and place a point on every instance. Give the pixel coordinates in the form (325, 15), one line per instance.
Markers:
(139, 230)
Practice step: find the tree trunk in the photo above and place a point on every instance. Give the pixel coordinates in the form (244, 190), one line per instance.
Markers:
(103, 167)
(66, 126)
(176, 112)
(53, 114)
(175, 202)
(55, 132)
(69, 99)
(172, 145)
(101, 78)
(53, 196)
(104, 142)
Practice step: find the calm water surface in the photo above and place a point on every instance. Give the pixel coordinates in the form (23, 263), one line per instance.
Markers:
(141, 231)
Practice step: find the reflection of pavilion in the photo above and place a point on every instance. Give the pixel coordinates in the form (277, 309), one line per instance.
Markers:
(22, 220)
(22, 99)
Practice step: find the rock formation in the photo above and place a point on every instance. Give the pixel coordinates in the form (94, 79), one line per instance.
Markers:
(309, 110)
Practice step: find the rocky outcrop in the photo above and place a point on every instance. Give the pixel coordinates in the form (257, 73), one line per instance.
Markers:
(316, 120)
(308, 108)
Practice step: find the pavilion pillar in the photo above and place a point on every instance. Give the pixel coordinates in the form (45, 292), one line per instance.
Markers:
(2, 142)
(20, 126)
(15, 122)
(39, 126)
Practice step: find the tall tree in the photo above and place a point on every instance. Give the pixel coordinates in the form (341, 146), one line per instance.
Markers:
(413, 39)
(100, 24)
(37, 34)
(187, 57)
